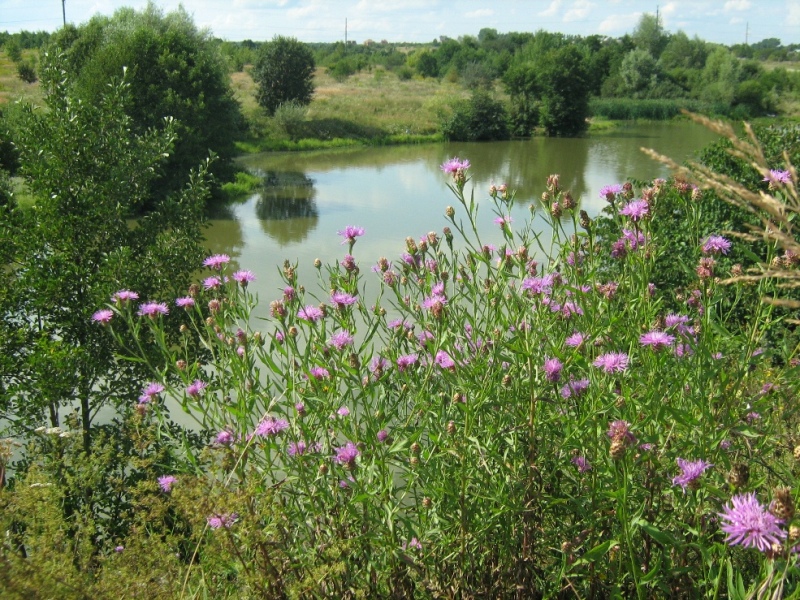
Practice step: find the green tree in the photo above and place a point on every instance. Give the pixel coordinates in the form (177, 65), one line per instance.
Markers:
(88, 172)
(283, 72)
(649, 35)
(479, 119)
(639, 72)
(565, 92)
(173, 70)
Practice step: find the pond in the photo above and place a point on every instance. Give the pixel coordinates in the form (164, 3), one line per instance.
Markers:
(399, 191)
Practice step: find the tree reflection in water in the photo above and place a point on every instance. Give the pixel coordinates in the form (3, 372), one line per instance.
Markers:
(286, 207)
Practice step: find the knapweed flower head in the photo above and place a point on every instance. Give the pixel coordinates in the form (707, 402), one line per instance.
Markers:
(716, 244)
(691, 470)
(382, 435)
(444, 360)
(552, 369)
(350, 233)
(635, 210)
(212, 283)
(776, 177)
(621, 430)
(612, 362)
(123, 296)
(576, 340)
(341, 299)
(581, 463)
(406, 361)
(413, 544)
(225, 438)
(318, 373)
(196, 388)
(340, 339)
(269, 426)
(150, 392)
(153, 309)
(454, 166)
(343, 411)
(185, 302)
(244, 277)
(750, 524)
(310, 313)
(103, 316)
(218, 521)
(656, 339)
(503, 221)
(216, 261)
(347, 454)
(575, 387)
(609, 192)
(166, 482)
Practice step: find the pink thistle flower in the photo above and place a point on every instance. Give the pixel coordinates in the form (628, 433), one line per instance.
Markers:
(576, 340)
(318, 373)
(123, 296)
(218, 521)
(310, 313)
(196, 388)
(342, 299)
(382, 435)
(166, 482)
(454, 166)
(350, 233)
(444, 361)
(691, 470)
(621, 430)
(656, 339)
(612, 362)
(269, 426)
(552, 369)
(581, 463)
(575, 387)
(347, 454)
(244, 277)
(103, 316)
(343, 411)
(636, 210)
(609, 192)
(225, 438)
(716, 244)
(212, 283)
(185, 302)
(750, 524)
(153, 309)
(405, 361)
(503, 221)
(150, 392)
(217, 261)
(414, 544)
(340, 339)
(776, 177)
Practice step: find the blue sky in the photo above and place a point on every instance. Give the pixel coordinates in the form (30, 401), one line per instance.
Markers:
(725, 21)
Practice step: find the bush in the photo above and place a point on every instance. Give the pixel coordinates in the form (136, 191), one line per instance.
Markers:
(289, 119)
(283, 72)
(26, 71)
(404, 73)
(481, 118)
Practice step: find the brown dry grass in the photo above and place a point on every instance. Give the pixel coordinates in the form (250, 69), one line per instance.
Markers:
(12, 87)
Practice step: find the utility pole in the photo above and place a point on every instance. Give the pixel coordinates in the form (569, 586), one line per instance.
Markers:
(64, 11)
(746, 33)
(345, 35)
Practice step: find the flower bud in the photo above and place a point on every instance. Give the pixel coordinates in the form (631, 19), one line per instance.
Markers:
(450, 212)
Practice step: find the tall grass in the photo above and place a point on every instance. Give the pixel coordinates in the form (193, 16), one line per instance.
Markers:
(629, 109)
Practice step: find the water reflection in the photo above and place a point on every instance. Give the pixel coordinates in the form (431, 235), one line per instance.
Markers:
(286, 206)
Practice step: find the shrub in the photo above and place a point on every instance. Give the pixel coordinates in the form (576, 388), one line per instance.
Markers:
(480, 118)
(26, 71)
(283, 72)
(404, 73)
(289, 119)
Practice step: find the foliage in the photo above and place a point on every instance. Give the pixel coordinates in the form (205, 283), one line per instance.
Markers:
(89, 174)
(283, 71)
(289, 118)
(565, 93)
(481, 118)
(26, 70)
(173, 69)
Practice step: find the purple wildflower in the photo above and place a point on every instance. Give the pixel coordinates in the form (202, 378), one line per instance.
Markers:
(454, 165)
(621, 430)
(340, 339)
(225, 438)
(612, 362)
(123, 296)
(503, 221)
(538, 285)
(196, 388)
(350, 233)
(299, 448)
(319, 373)
(581, 463)
(165, 482)
(716, 244)
(405, 361)
(382, 435)
(750, 524)
(153, 309)
(212, 283)
(609, 192)
(185, 302)
(119, 549)
(217, 261)
(269, 426)
(576, 340)
(378, 366)
(552, 369)
(310, 313)
(150, 391)
(222, 520)
(776, 176)
(414, 544)
(104, 316)
(575, 387)
(343, 411)
(342, 299)
(656, 339)
(635, 210)
(347, 454)
(244, 277)
(690, 472)
(444, 360)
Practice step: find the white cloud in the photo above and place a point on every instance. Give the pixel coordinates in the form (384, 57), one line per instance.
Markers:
(737, 5)
(580, 10)
(615, 25)
(480, 13)
(552, 10)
